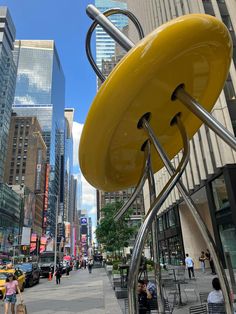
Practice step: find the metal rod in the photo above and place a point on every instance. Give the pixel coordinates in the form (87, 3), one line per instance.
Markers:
(143, 232)
(110, 28)
(196, 108)
(200, 223)
(157, 268)
(137, 190)
(107, 13)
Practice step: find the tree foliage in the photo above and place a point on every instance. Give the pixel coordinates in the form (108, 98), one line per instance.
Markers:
(114, 236)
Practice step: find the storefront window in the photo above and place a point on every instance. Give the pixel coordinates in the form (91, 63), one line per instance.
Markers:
(176, 250)
(220, 193)
(171, 218)
(160, 224)
(228, 239)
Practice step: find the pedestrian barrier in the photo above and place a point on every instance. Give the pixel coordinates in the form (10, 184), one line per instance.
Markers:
(146, 111)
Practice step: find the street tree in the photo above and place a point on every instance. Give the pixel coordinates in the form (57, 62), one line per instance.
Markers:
(114, 236)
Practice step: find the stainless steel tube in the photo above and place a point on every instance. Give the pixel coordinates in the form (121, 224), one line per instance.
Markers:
(200, 223)
(205, 116)
(157, 268)
(110, 28)
(137, 190)
(107, 13)
(143, 232)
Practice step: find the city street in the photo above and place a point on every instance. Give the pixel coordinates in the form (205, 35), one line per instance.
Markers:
(81, 292)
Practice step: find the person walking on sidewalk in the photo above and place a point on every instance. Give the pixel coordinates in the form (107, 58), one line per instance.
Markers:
(12, 288)
(202, 259)
(189, 265)
(90, 265)
(58, 275)
(208, 256)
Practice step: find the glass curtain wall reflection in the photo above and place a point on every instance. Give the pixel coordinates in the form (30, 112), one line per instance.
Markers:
(40, 92)
(105, 45)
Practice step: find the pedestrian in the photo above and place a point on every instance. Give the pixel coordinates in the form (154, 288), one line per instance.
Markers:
(90, 265)
(216, 295)
(202, 259)
(67, 268)
(143, 297)
(189, 265)
(12, 288)
(212, 265)
(58, 275)
(84, 263)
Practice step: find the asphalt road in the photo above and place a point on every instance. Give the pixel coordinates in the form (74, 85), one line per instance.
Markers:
(80, 292)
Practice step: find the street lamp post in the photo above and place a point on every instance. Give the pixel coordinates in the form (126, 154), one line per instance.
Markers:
(55, 246)
(14, 248)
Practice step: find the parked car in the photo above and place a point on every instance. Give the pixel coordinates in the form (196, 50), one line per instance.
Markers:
(3, 276)
(31, 271)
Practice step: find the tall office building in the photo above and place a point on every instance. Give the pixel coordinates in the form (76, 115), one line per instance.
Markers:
(105, 45)
(210, 176)
(7, 80)
(25, 167)
(40, 92)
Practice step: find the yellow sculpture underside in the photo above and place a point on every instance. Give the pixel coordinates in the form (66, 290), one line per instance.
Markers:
(194, 50)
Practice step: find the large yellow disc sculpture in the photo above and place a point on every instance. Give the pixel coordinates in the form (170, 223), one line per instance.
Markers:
(194, 51)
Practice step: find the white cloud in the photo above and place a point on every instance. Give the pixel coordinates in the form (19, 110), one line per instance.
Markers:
(76, 131)
(93, 211)
(88, 193)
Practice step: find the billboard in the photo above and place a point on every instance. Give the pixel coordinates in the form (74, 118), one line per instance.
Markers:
(33, 242)
(38, 170)
(43, 243)
(29, 209)
(45, 208)
(25, 239)
(67, 234)
(83, 221)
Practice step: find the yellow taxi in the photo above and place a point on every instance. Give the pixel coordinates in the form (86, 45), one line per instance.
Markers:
(3, 276)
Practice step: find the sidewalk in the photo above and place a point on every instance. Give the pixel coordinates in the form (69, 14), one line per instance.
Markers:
(80, 292)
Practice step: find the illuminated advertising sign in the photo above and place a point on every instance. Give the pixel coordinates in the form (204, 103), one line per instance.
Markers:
(38, 170)
(29, 209)
(46, 196)
(43, 243)
(83, 221)
(83, 238)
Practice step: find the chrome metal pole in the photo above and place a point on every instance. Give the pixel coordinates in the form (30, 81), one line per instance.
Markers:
(157, 268)
(143, 232)
(137, 190)
(200, 223)
(196, 108)
(110, 28)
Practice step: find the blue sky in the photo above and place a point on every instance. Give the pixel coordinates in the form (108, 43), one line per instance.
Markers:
(66, 22)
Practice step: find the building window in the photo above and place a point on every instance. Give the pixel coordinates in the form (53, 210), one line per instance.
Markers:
(220, 195)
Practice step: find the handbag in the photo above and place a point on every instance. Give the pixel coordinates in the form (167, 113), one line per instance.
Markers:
(21, 309)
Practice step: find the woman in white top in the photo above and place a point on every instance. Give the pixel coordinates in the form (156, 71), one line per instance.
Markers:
(216, 295)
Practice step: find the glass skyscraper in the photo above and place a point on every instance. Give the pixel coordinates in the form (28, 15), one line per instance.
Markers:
(40, 92)
(105, 45)
(7, 80)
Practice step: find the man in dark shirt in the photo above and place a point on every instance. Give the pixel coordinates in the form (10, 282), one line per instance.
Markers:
(143, 297)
